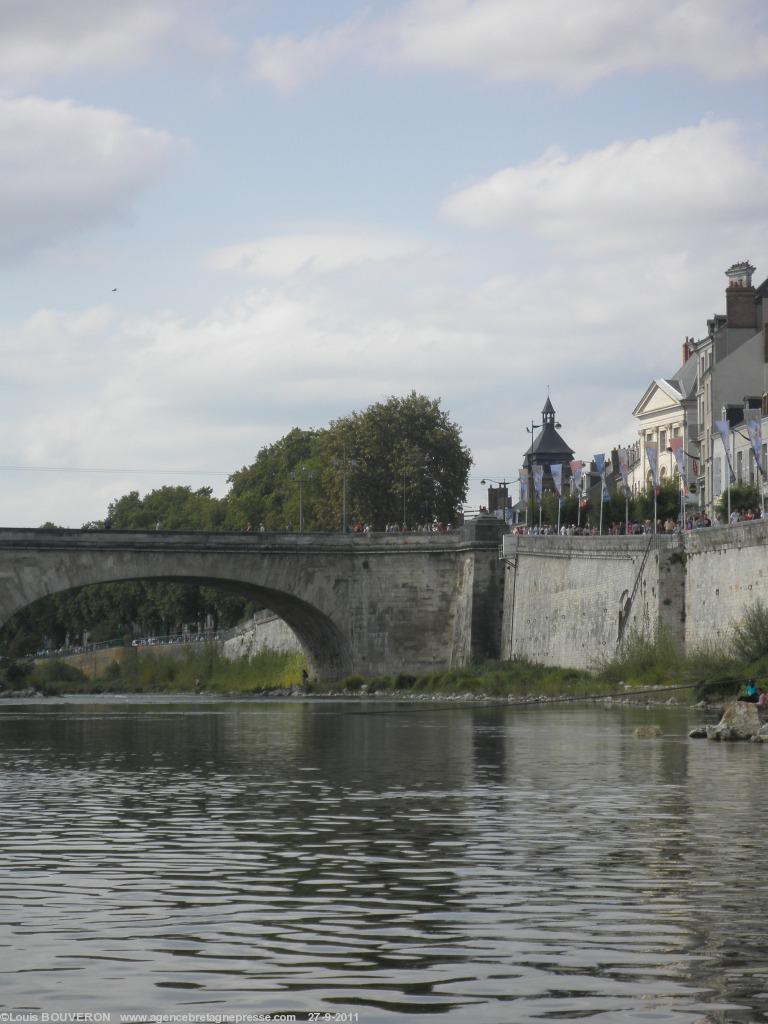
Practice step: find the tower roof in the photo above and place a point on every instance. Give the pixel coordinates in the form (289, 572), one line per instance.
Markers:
(548, 446)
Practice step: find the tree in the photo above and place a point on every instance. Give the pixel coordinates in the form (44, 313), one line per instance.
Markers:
(410, 463)
(173, 508)
(744, 498)
(398, 459)
(275, 490)
(667, 502)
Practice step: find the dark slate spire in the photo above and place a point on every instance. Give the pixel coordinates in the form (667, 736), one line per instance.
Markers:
(548, 446)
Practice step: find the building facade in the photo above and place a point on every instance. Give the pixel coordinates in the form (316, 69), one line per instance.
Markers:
(723, 376)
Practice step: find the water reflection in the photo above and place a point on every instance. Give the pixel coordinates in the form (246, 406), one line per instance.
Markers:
(485, 864)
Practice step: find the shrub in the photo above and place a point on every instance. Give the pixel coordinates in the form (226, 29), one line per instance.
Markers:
(643, 658)
(352, 683)
(750, 636)
(55, 671)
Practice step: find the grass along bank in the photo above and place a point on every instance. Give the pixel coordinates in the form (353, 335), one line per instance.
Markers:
(642, 664)
(200, 671)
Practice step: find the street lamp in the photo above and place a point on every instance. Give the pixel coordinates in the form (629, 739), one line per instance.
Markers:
(301, 475)
(344, 464)
(530, 430)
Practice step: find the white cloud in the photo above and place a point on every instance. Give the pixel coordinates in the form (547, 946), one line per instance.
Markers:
(572, 44)
(657, 192)
(50, 36)
(287, 62)
(578, 43)
(319, 252)
(65, 167)
(168, 392)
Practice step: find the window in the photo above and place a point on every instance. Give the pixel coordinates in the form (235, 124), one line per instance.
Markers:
(739, 467)
(662, 440)
(716, 477)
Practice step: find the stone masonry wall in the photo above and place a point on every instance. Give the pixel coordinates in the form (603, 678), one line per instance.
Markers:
(569, 600)
(265, 631)
(726, 572)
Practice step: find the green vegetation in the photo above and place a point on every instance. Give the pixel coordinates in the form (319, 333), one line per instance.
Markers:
(642, 664)
(402, 459)
(614, 509)
(198, 671)
(744, 498)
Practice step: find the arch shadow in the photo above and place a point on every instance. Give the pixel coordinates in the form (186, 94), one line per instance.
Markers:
(324, 645)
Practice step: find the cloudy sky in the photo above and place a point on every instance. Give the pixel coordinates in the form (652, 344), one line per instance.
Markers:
(308, 207)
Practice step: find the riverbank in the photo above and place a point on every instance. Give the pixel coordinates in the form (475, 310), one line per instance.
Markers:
(645, 672)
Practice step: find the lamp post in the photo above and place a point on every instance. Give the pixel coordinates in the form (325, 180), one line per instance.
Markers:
(344, 464)
(530, 430)
(301, 475)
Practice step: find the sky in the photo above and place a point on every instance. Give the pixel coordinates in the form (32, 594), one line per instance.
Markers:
(225, 218)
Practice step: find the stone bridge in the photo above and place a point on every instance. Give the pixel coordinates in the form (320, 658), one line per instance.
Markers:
(369, 604)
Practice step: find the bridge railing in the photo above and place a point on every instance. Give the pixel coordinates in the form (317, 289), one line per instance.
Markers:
(205, 636)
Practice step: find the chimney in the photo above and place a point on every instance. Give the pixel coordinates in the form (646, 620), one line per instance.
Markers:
(686, 350)
(740, 296)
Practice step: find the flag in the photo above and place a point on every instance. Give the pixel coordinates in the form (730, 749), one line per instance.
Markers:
(723, 428)
(676, 444)
(754, 429)
(557, 479)
(599, 461)
(624, 469)
(577, 471)
(651, 454)
(538, 476)
(523, 481)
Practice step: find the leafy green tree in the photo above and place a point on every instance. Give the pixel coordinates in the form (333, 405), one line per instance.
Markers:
(170, 508)
(410, 463)
(402, 458)
(744, 498)
(279, 487)
(667, 502)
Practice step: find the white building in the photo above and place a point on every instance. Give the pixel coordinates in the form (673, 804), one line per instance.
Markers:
(667, 411)
(732, 374)
(724, 375)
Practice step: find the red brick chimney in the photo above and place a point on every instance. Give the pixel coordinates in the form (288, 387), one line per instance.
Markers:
(740, 308)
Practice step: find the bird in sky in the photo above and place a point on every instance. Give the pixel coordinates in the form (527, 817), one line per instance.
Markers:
(114, 289)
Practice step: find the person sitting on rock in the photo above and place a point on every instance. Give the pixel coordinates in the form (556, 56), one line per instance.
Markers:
(751, 693)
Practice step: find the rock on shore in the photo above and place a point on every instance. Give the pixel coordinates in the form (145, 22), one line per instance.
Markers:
(740, 721)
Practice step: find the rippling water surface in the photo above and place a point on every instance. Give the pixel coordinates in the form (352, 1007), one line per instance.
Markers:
(480, 864)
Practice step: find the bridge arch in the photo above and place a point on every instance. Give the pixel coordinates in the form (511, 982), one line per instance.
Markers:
(378, 604)
(325, 646)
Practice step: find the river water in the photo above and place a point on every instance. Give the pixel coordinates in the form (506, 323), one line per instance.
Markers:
(379, 862)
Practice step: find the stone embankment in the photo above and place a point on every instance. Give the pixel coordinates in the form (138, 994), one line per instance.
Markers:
(265, 631)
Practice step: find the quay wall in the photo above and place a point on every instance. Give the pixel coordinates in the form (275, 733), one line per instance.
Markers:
(569, 601)
(265, 631)
(726, 572)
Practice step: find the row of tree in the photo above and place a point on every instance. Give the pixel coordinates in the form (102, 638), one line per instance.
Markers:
(640, 507)
(401, 460)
